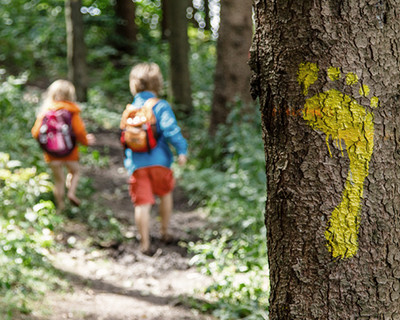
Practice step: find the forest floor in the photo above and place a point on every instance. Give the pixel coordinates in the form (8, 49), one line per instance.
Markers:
(118, 282)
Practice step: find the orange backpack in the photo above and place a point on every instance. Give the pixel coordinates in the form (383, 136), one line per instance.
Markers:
(139, 127)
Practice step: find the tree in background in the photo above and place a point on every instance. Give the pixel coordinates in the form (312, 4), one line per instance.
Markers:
(76, 49)
(232, 75)
(126, 26)
(207, 17)
(177, 26)
(165, 24)
(328, 75)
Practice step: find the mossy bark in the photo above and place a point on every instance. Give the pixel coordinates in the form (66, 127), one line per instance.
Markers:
(308, 180)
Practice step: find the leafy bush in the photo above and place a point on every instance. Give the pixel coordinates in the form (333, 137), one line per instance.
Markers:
(26, 41)
(17, 115)
(27, 226)
(227, 175)
(28, 219)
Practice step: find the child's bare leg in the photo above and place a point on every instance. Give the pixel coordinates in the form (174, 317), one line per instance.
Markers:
(166, 204)
(59, 189)
(72, 180)
(142, 220)
(68, 180)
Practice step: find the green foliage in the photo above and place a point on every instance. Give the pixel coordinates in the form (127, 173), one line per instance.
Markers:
(17, 116)
(25, 39)
(202, 65)
(27, 226)
(102, 228)
(92, 158)
(227, 175)
(28, 219)
(148, 18)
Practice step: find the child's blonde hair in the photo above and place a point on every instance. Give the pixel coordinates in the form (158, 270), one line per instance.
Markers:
(59, 90)
(145, 77)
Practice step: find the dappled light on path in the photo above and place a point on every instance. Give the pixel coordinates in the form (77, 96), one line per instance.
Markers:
(115, 280)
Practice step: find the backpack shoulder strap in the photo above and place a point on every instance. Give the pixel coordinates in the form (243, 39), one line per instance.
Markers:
(150, 103)
(125, 115)
(148, 108)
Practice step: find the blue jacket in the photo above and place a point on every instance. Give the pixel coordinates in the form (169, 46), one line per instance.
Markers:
(169, 132)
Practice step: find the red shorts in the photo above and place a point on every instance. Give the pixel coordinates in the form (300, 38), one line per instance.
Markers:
(147, 182)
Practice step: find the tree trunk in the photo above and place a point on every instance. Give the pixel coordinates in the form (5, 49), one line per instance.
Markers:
(76, 50)
(207, 18)
(232, 75)
(165, 24)
(126, 26)
(179, 56)
(327, 75)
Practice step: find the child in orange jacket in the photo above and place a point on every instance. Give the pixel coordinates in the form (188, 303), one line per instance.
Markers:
(61, 95)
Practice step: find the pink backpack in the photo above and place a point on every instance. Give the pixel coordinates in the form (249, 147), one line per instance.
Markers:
(56, 136)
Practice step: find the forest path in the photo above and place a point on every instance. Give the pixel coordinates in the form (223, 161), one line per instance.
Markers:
(119, 282)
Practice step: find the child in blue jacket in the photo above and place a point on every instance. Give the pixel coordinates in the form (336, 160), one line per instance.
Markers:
(151, 173)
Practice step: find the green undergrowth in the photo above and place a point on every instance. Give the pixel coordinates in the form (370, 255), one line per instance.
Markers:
(101, 228)
(27, 225)
(226, 175)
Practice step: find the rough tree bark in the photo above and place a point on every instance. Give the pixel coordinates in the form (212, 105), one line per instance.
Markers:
(232, 75)
(179, 55)
(76, 49)
(327, 75)
(126, 26)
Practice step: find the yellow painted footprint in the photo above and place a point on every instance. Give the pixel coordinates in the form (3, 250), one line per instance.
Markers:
(339, 116)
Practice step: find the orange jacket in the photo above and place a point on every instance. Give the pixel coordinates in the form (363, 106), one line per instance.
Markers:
(77, 126)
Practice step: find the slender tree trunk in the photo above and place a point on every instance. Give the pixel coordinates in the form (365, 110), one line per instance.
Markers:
(207, 18)
(232, 76)
(179, 56)
(165, 24)
(327, 75)
(76, 55)
(126, 26)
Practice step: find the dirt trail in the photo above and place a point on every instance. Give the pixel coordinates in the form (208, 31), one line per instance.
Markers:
(121, 283)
